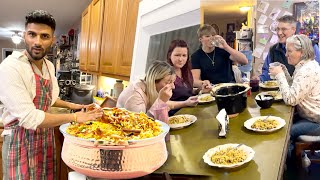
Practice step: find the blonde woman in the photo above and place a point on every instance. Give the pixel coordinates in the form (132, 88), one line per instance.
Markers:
(151, 93)
(302, 89)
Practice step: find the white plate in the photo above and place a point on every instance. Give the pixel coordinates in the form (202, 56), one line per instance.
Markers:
(205, 95)
(191, 119)
(276, 95)
(264, 85)
(207, 156)
(249, 123)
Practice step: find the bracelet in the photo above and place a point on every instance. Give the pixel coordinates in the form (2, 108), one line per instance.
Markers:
(75, 117)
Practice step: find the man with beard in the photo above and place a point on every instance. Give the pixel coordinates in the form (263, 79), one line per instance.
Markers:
(28, 90)
(277, 53)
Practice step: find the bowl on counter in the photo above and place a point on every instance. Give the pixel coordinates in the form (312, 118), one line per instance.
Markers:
(264, 100)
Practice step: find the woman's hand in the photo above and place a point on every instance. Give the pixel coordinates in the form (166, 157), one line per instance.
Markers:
(192, 101)
(88, 116)
(165, 93)
(274, 70)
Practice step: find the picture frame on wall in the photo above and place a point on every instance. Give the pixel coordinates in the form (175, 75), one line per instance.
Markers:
(308, 19)
(231, 27)
(216, 28)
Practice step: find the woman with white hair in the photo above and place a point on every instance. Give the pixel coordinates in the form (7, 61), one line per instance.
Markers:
(151, 93)
(302, 89)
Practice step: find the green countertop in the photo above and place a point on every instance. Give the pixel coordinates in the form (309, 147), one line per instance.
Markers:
(187, 146)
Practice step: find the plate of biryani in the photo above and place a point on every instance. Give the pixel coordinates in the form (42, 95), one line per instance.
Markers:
(265, 123)
(275, 94)
(117, 126)
(269, 85)
(205, 98)
(181, 121)
(228, 155)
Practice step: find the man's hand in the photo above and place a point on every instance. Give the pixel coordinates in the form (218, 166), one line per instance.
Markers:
(222, 43)
(206, 86)
(88, 116)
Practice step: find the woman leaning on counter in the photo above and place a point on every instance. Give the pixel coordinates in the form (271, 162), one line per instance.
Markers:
(151, 93)
(178, 57)
(302, 89)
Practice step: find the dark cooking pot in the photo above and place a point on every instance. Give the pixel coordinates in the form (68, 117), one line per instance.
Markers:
(232, 97)
(82, 94)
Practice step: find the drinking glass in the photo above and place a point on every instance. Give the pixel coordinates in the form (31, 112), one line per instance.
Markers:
(273, 65)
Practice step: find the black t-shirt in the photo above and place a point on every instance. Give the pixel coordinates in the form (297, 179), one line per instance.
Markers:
(221, 72)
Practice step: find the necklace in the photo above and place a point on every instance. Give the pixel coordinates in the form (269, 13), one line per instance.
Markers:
(212, 60)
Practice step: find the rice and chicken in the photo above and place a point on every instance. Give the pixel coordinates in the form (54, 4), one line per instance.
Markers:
(229, 156)
(116, 127)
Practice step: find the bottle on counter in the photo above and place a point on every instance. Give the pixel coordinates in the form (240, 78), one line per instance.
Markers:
(117, 88)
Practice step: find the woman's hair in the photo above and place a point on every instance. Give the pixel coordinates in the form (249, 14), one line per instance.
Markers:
(186, 69)
(156, 72)
(205, 30)
(302, 43)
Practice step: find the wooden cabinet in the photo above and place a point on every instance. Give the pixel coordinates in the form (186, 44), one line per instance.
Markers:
(85, 24)
(111, 37)
(96, 19)
(124, 64)
(119, 29)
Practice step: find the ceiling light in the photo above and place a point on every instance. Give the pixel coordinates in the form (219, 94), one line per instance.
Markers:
(16, 39)
(244, 8)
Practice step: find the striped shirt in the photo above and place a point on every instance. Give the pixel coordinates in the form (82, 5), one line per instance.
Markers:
(18, 89)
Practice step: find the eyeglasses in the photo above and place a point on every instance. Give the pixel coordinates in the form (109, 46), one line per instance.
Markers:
(282, 29)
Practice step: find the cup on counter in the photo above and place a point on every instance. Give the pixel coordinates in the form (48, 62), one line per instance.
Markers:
(254, 84)
(273, 65)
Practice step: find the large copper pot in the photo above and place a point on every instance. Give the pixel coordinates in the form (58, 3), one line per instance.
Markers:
(139, 158)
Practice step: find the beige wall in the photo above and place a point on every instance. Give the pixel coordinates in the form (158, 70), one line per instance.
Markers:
(7, 43)
(258, 62)
(222, 23)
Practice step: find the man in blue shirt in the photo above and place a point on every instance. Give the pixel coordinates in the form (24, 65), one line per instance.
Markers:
(277, 53)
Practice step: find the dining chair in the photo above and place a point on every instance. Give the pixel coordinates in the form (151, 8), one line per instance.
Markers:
(307, 142)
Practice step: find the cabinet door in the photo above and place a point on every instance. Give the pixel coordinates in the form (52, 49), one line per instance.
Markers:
(123, 66)
(85, 24)
(113, 35)
(96, 19)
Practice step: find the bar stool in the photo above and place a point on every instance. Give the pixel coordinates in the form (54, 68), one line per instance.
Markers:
(307, 142)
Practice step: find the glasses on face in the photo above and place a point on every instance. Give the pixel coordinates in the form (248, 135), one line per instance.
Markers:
(282, 29)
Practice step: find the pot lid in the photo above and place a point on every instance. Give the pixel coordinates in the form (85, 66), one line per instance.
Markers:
(84, 87)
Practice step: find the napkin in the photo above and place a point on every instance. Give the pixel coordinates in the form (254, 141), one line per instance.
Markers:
(223, 120)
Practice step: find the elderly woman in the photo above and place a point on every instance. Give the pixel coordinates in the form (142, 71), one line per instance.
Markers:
(302, 89)
(152, 93)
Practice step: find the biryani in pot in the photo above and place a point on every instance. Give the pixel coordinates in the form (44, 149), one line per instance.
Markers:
(117, 127)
